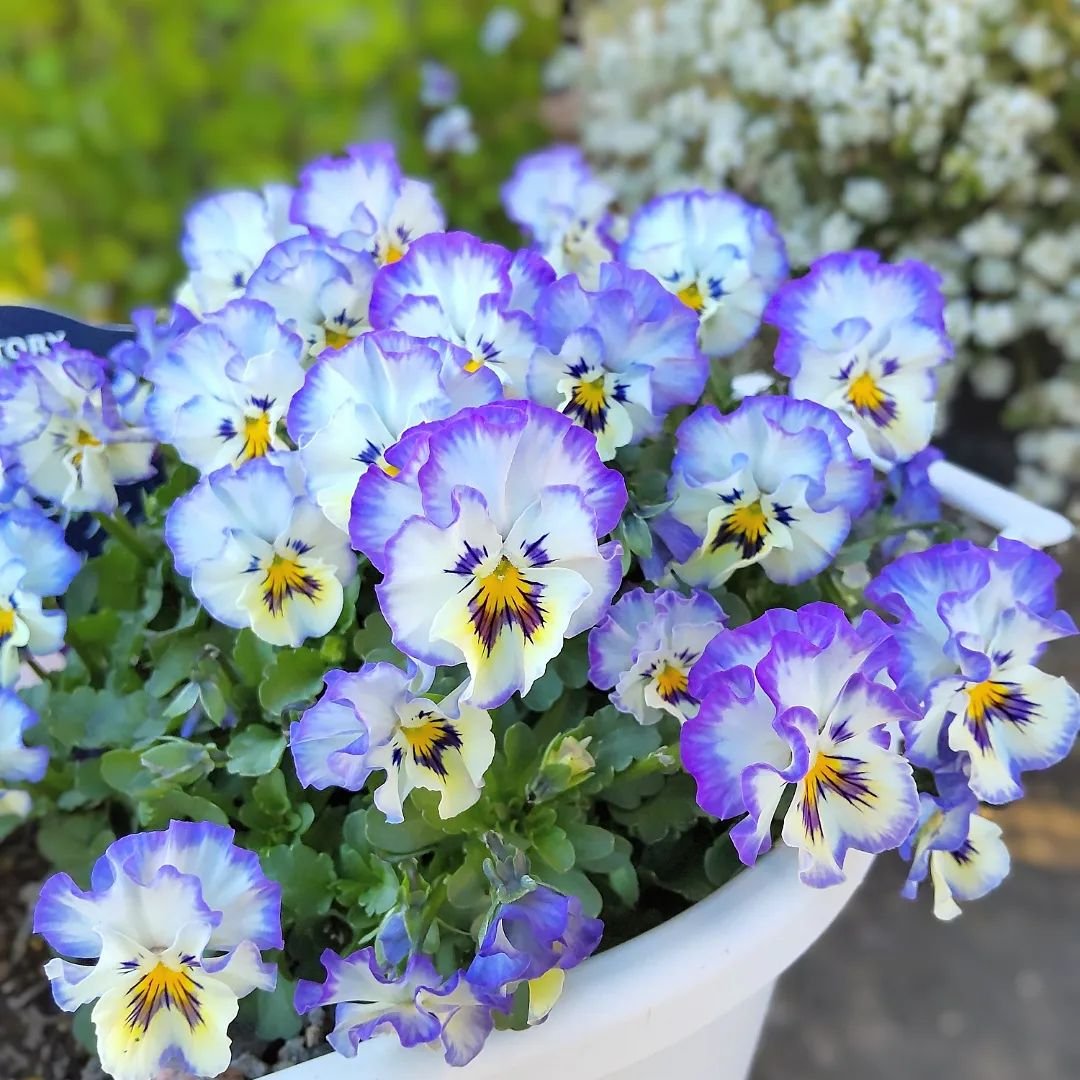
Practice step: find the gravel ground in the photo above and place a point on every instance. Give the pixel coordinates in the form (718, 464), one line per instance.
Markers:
(35, 1039)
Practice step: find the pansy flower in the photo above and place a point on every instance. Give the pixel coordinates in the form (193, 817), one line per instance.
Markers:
(13, 491)
(371, 720)
(259, 554)
(645, 647)
(129, 360)
(318, 289)
(916, 501)
(18, 762)
(962, 853)
(225, 238)
(60, 419)
(774, 483)
(471, 294)
(555, 198)
(973, 623)
(864, 337)
(535, 938)
(166, 942)
(220, 393)
(616, 360)
(35, 563)
(789, 703)
(419, 1005)
(720, 255)
(357, 402)
(365, 203)
(502, 559)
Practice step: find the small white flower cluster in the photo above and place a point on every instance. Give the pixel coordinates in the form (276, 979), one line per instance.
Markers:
(934, 129)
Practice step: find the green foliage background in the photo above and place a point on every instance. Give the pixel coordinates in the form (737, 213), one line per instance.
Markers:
(118, 113)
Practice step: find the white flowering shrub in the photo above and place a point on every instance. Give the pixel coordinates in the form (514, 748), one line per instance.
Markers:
(940, 129)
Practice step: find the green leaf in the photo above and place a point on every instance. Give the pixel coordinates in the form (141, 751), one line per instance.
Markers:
(73, 842)
(212, 701)
(619, 740)
(521, 750)
(735, 607)
(178, 760)
(294, 678)
(671, 811)
(467, 887)
(275, 1017)
(576, 883)
(638, 537)
(722, 861)
(124, 772)
(368, 829)
(592, 844)
(368, 881)
(555, 848)
(572, 663)
(545, 691)
(156, 811)
(87, 785)
(375, 635)
(254, 751)
(270, 793)
(174, 665)
(183, 701)
(251, 657)
(306, 878)
(82, 1027)
(95, 719)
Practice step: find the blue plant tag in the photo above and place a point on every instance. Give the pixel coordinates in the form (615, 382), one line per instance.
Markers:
(26, 332)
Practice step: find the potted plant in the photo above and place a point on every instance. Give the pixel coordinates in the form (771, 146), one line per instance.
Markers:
(477, 619)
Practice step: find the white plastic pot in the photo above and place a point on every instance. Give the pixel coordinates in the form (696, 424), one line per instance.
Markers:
(687, 1000)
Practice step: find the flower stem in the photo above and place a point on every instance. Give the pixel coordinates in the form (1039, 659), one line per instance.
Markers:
(122, 531)
(36, 668)
(80, 648)
(434, 902)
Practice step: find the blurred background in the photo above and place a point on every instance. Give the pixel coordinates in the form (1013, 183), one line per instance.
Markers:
(944, 129)
(117, 114)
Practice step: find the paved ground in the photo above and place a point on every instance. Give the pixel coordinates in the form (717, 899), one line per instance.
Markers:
(889, 993)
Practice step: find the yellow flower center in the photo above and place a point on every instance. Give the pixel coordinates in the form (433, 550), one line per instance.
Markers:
(865, 395)
(256, 437)
(691, 296)
(163, 987)
(82, 439)
(474, 365)
(671, 682)
(986, 697)
(429, 740)
(830, 775)
(392, 254)
(335, 339)
(7, 622)
(591, 396)
(505, 597)
(746, 526)
(285, 578)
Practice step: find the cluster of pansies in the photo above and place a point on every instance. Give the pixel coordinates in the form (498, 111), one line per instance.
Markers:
(478, 494)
